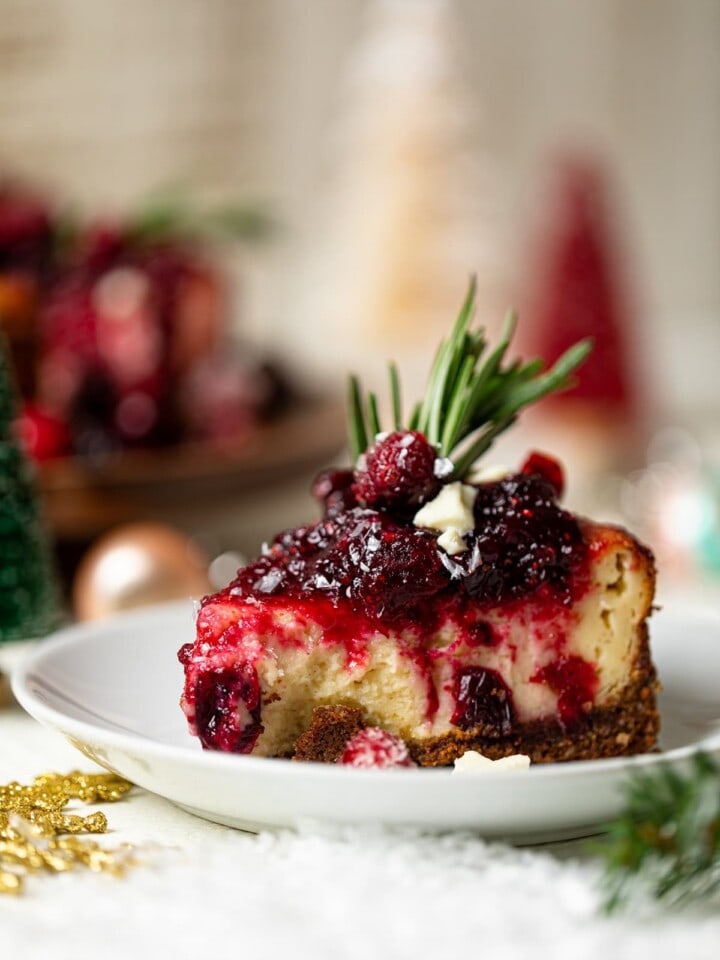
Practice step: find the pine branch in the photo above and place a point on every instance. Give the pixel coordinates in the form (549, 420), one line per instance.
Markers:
(666, 842)
(169, 217)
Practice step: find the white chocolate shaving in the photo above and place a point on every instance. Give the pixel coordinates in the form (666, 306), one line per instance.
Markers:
(451, 514)
(473, 762)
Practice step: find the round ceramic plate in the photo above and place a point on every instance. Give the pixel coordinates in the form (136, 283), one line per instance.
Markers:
(112, 689)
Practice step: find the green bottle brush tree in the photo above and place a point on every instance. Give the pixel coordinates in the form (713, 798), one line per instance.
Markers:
(29, 595)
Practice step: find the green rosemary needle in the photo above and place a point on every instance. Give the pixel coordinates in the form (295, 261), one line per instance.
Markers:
(470, 398)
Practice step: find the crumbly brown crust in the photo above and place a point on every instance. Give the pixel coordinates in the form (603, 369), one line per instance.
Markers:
(329, 731)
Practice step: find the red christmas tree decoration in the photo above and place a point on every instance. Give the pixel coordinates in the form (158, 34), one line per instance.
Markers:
(580, 293)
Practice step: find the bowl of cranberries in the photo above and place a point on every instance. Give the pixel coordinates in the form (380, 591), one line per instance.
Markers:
(128, 374)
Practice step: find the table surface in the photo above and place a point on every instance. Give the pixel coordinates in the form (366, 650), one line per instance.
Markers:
(323, 892)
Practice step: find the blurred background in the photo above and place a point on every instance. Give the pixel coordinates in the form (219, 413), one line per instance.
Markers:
(210, 211)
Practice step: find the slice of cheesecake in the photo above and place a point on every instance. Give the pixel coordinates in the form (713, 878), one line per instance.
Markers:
(453, 615)
(357, 611)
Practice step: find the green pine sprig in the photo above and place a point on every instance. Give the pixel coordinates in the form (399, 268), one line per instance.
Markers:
(666, 842)
(169, 218)
(471, 396)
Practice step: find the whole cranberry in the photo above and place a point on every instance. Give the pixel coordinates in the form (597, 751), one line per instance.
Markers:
(482, 699)
(376, 748)
(333, 489)
(547, 467)
(397, 472)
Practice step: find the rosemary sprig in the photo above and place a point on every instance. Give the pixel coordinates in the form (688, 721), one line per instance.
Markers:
(470, 398)
(666, 842)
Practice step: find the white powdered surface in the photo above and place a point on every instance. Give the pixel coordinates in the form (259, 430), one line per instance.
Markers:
(206, 891)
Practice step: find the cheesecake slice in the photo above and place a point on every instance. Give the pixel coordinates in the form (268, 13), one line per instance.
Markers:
(362, 611)
(452, 614)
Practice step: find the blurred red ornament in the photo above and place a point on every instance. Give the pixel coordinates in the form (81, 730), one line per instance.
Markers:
(43, 436)
(111, 327)
(26, 248)
(25, 229)
(119, 327)
(580, 290)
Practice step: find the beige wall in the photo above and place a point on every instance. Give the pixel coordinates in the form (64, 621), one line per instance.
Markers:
(106, 100)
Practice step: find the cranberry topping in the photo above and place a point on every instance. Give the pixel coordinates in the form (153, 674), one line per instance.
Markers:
(398, 472)
(482, 698)
(522, 539)
(185, 653)
(373, 747)
(548, 468)
(387, 568)
(333, 489)
(574, 680)
(227, 709)
(394, 569)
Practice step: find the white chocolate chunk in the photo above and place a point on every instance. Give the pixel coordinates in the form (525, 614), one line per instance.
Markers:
(451, 542)
(450, 512)
(473, 762)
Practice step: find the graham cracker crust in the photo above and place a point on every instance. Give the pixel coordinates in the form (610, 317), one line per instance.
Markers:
(329, 731)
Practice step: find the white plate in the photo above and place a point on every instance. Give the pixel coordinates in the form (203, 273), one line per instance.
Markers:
(112, 689)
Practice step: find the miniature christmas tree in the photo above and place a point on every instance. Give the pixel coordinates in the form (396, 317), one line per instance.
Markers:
(409, 207)
(581, 293)
(579, 286)
(29, 596)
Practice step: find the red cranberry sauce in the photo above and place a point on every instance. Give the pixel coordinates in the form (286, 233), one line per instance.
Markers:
(384, 569)
(522, 540)
(575, 681)
(227, 709)
(389, 570)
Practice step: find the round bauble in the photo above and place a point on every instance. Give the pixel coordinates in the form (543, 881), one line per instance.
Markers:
(137, 565)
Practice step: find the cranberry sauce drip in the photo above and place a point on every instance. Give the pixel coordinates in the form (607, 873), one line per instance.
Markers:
(388, 569)
(227, 709)
(574, 680)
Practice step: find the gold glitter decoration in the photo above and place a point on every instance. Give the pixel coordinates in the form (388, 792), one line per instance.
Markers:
(36, 832)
